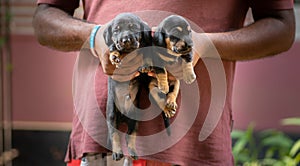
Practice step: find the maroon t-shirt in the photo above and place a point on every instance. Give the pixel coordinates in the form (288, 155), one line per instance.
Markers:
(200, 132)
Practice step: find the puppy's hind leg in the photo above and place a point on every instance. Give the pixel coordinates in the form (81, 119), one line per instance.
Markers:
(113, 115)
(160, 100)
(114, 137)
(131, 138)
(171, 104)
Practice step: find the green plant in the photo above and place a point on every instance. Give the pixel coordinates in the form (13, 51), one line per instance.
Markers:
(291, 121)
(265, 148)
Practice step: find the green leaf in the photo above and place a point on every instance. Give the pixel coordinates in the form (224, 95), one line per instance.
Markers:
(280, 140)
(270, 162)
(268, 133)
(291, 121)
(297, 159)
(239, 146)
(270, 153)
(236, 134)
(295, 148)
(250, 164)
(242, 158)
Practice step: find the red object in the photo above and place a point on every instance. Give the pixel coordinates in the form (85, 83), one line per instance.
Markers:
(74, 163)
(139, 162)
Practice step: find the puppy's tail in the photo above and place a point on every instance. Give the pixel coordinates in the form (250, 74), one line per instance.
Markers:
(166, 123)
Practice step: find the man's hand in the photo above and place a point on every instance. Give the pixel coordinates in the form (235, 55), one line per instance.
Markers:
(130, 64)
(128, 67)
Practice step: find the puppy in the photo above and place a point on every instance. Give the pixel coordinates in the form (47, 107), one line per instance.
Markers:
(174, 43)
(125, 34)
(174, 33)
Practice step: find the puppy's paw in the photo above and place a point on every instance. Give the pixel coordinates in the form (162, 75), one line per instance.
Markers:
(170, 105)
(145, 69)
(117, 155)
(170, 108)
(189, 77)
(114, 58)
(169, 113)
(132, 153)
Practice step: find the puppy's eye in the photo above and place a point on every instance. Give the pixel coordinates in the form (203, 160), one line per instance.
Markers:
(175, 34)
(133, 27)
(116, 31)
(174, 37)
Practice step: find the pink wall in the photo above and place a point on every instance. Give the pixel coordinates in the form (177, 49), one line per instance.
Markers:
(265, 90)
(268, 90)
(42, 82)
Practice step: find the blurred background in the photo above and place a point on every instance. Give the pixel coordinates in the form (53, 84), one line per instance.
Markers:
(36, 93)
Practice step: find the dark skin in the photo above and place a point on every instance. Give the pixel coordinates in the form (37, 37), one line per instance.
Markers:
(272, 33)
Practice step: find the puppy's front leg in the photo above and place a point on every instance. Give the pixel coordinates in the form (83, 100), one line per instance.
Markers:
(189, 75)
(162, 79)
(171, 105)
(114, 55)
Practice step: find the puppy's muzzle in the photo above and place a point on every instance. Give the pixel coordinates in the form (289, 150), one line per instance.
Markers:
(127, 43)
(182, 47)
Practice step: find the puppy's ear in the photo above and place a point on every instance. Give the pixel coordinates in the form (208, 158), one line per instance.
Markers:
(146, 34)
(159, 37)
(107, 34)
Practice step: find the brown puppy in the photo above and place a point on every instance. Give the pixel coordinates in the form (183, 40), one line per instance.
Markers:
(125, 34)
(173, 39)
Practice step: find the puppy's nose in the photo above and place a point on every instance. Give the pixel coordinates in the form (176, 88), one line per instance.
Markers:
(126, 39)
(189, 43)
(189, 46)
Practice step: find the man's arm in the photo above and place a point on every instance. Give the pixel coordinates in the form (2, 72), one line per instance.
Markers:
(271, 33)
(57, 29)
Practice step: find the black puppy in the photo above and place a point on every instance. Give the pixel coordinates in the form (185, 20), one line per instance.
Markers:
(125, 34)
(173, 39)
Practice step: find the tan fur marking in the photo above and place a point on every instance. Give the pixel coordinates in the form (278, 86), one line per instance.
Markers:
(116, 144)
(169, 47)
(179, 28)
(131, 140)
(167, 59)
(168, 42)
(189, 28)
(162, 81)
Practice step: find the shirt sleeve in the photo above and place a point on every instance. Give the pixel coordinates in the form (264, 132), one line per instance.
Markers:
(66, 5)
(271, 4)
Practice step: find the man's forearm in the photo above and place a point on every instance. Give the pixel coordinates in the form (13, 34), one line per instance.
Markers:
(57, 29)
(267, 36)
